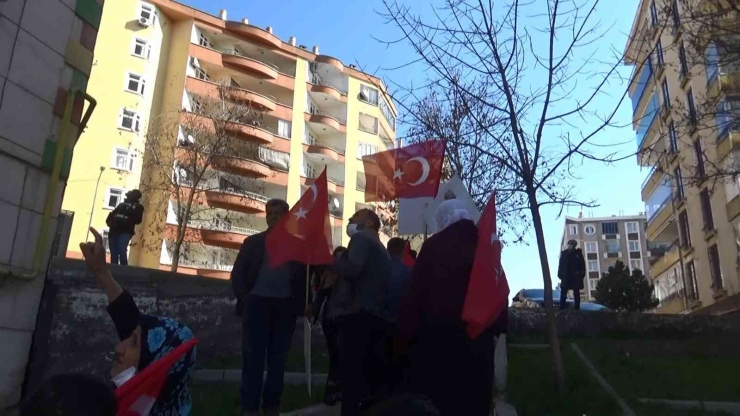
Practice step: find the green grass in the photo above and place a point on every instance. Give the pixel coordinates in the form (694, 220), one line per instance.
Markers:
(222, 399)
(702, 369)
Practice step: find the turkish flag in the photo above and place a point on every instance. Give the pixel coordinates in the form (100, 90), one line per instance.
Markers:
(304, 234)
(137, 396)
(408, 172)
(408, 259)
(488, 290)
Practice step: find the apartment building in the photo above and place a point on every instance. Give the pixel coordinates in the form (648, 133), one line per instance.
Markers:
(604, 240)
(46, 51)
(159, 57)
(692, 223)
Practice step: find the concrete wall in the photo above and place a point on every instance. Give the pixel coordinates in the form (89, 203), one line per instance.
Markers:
(74, 332)
(45, 50)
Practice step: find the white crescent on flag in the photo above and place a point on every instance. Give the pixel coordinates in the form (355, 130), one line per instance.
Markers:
(425, 169)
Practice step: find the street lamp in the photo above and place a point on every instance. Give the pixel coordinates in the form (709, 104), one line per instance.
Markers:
(95, 196)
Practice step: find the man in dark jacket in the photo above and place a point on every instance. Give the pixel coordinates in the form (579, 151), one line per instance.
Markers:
(359, 305)
(269, 300)
(571, 271)
(121, 223)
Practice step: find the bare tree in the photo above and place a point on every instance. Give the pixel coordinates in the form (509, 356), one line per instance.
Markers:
(191, 153)
(528, 65)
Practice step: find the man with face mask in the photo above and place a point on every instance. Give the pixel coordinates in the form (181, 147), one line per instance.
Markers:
(269, 300)
(359, 307)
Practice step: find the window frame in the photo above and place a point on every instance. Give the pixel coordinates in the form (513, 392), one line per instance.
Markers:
(635, 223)
(678, 183)
(672, 138)
(141, 83)
(715, 267)
(615, 243)
(653, 14)
(130, 159)
(666, 94)
(684, 229)
(699, 157)
(705, 201)
(659, 53)
(683, 61)
(135, 120)
(589, 263)
(636, 242)
(367, 99)
(692, 287)
(146, 48)
(691, 106)
(586, 246)
(108, 195)
(370, 146)
(640, 267)
(572, 227)
(587, 227)
(604, 227)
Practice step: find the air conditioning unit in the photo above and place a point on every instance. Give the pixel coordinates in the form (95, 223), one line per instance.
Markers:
(143, 22)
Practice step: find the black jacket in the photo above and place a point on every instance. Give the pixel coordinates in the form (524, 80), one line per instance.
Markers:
(135, 212)
(571, 269)
(247, 268)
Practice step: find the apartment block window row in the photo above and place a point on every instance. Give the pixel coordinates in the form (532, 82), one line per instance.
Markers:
(715, 268)
(706, 210)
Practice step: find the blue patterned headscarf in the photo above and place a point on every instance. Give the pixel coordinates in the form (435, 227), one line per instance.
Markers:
(159, 336)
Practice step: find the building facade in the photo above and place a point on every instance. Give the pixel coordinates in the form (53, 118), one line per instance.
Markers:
(46, 52)
(604, 240)
(160, 58)
(692, 221)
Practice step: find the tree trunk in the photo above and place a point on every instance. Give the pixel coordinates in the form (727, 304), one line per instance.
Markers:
(549, 310)
(176, 255)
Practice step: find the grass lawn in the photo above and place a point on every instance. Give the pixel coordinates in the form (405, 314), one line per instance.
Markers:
(702, 369)
(222, 399)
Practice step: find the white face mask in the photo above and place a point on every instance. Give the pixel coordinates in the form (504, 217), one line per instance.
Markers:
(351, 230)
(124, 376)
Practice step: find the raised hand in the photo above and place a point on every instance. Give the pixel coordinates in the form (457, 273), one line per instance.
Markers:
(94, 253)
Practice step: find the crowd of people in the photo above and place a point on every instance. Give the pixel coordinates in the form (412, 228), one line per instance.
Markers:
(396, 340)
(387, 325)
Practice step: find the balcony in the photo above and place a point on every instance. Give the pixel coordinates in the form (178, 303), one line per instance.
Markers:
(239, 200)
(254, 34)
(324, 152)
(322, 118)
(237, 95)
(662, 256)
(640, 83)
(331, 91)
(331, 61)
(334, 185)
(647, 120)
(251, 133)
(658, 207)
(241, 166)
(252, 66)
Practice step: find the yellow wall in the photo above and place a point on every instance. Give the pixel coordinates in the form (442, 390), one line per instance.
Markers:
(296, 134)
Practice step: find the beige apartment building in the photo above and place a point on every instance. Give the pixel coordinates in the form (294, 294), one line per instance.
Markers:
(604, 240)
(692, 221)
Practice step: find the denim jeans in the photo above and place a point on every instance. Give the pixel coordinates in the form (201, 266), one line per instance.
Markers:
(267, 329)
(118, 245)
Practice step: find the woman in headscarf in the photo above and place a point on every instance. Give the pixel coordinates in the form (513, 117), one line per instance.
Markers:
(144, 338)
(455, 372)
(319, 311)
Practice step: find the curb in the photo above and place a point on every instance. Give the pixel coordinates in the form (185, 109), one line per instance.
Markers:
(235, 376)
(732, 408)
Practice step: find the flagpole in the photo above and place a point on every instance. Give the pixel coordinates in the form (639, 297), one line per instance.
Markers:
(307, 336)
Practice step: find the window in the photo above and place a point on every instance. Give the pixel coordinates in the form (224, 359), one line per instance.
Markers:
(636, 264)
(699, 158)
(612, 246)
(676, 16)
(141, 48)
(684, 63)
(593, 265)
(711, 62)
(727, 116)
(368, 123)
(147, 14)
(196, 106)
(684, 231)
(666, 95)
(678, 183)
(135, 83)
(365, 149)
(589, 230)
(672, 138)
(129, 120)
(632, 227)
(706, 210)
(591, 247)
(691, 106)
(123, 159)
(284, 128)
(385, 109)
(715, 268)
(692, 289)
(201, 74)
(368, 95)
(609, 228)
(573, 229)
(659, 54)
(653, 14)
(203, 41)
(114, 197)
(634, 245)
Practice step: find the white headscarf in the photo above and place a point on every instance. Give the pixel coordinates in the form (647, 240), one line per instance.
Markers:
(450, 212)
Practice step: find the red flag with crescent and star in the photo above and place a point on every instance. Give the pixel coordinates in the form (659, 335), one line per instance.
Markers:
(408, 172)
(304, 233)
(488, 290)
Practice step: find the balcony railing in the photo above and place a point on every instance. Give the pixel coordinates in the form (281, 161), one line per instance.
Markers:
(204, 265)
(226, 189)
(337, 117)
(316, 79)
(234, 52)
(327, 145)
(220, 226)
(647, 119)
(641, 83)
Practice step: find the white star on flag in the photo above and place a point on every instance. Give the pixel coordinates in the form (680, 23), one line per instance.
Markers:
(301, 213)
(397, 174)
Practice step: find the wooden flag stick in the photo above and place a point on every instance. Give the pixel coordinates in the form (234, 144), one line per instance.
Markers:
(307, 335)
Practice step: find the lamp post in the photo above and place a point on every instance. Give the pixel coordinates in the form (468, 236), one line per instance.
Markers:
(95, 196)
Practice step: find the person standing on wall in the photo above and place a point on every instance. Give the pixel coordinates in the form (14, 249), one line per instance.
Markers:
(269, 301)
(571, 271)
(121, 223)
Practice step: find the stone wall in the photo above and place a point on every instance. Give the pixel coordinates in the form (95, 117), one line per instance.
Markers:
(74, 332)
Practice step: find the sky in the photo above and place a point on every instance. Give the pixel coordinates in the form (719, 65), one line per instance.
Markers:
(348, 30)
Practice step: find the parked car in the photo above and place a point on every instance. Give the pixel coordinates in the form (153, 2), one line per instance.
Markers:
(534, 298)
